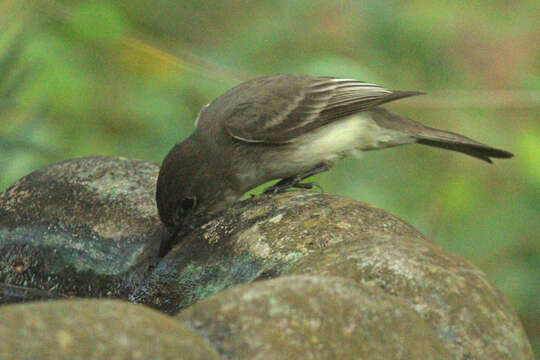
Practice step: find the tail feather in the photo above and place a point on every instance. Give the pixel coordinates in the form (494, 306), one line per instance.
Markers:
(438, 138)
(452, 141)
(479, 151)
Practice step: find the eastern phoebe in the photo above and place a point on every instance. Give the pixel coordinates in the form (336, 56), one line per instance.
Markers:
(285, 127)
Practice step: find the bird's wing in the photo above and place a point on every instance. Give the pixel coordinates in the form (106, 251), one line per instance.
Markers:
(278, 109)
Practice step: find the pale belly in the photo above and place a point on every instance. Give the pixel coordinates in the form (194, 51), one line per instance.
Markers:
(349, 136)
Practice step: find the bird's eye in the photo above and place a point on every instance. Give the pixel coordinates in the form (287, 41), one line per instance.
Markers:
(189, 203)
(186, 205)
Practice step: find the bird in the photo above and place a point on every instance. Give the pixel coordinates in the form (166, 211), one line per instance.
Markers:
(286, 127)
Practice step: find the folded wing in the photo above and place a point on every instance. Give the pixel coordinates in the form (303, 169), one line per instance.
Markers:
(284, 108)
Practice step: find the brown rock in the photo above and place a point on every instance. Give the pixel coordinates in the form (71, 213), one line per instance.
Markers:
(310, 317)
(82, 227)
(95, 329)
(89, 227)
(471, 317)
(259, 238)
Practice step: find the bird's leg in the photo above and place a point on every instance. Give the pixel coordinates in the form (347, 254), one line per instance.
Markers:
(295, 181)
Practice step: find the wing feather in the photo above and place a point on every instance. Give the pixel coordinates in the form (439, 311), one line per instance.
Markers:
(287, 106)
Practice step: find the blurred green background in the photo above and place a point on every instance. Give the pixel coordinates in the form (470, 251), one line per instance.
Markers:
(127, 78)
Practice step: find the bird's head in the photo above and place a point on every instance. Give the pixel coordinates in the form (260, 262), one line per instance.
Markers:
(188, 186)
(178, 192)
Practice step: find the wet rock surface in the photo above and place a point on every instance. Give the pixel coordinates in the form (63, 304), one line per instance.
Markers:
(256, 239)
(83, 227)
(300, 270)
(312, 317)
(96, 329)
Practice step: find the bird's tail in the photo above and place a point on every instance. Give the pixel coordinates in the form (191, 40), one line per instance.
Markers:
(438, 138)
(455, 142)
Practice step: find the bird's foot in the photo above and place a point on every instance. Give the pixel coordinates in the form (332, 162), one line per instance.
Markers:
(295, 181)
(290, 183)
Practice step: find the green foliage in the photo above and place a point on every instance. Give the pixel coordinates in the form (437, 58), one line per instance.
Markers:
(127, 78)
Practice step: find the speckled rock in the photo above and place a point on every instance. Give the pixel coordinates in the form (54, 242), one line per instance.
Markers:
(96, 329)
(82, 227)
(471, 317)
(259, 238)
(310, 317)
(89, 228)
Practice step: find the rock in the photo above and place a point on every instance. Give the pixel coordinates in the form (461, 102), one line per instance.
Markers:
(312, 317)
(259, 238)
(309, 233)
(89, 228)
(95, 329)
(84, 227)
(470, 316)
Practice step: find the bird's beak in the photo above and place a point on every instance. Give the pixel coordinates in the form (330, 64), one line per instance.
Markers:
(168, 240)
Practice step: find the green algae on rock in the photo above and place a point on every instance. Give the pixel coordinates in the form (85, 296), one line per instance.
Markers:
(255, 239)
(83, 227)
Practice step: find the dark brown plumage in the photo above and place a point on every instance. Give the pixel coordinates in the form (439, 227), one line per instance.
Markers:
(286, 127)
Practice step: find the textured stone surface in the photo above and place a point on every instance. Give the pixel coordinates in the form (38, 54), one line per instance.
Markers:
(95, 329)
(83, 227)
(309, 317)
(259, 238)
(89, 228)
(471, 317)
